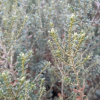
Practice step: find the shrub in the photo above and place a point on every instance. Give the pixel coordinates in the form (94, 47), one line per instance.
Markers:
(71, 29)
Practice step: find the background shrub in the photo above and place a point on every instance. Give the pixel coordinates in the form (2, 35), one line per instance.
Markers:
(35, 33)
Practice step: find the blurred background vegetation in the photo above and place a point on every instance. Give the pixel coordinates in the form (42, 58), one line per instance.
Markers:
(37, 40)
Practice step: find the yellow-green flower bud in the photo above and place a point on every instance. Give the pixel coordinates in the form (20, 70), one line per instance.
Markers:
(57, 51)
(4, 8)
(49, 41)
(22, 79)
(4, 19)
(83, 34)
(14, 16)
(52, 2)
(3, 74)
(22, 55)
(13, 6)
(88, 57)
(75, 34)
(52, 30)
(26, 17)
(69, 6)
(49, 63)
(51, 24)
(27, 83)
(44, 89)
(72, 16)
(60, 1)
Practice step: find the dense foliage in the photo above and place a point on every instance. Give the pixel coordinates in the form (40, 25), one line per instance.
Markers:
(49, 50)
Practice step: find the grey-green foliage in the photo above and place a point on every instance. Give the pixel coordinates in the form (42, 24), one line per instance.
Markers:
(58, 13)
(15, 86)
(24, 25)
(82, 22)
(14, 53)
